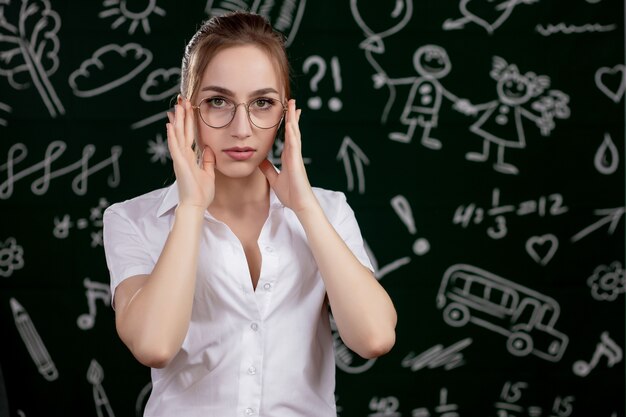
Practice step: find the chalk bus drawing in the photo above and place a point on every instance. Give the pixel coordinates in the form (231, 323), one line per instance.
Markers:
(95, 375)
(431, 62)
(161, 84)
(37, 350)
(488, 14)
(350, 154)
(5, 108)
(109, 67)
(437, 356)
(374, 41)
(18, 152)
(606, 159)
(525, 317)
(94, 291)
(284, 15)
(606, 347)
(29, 48)
(121, 10)
(11, 257)
(607, 282)
(617, 76)
(501, 123)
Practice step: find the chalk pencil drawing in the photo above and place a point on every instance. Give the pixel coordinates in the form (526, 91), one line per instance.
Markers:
(18, 152)
(315, 103)
(525, 317)
(161, 84)
(606, 159)
(611, 81)
(35, 346)
(607, 282)
(29, 48)
(377, 26)
(437, 356)
(501, 123)
(431, 62)
(384, 407)
(444, 409)
(284, 15)
(489, 14)
(94, 291)
(95, 375)
(353, 158)
(11, 257)
(7, 109)
(158, 150)
(346, 360)
(137, 12)
(565, 29)
(612, 216)
(606, 347)
(401, 206)
(380, 272)
(542, 248)
(109, 67)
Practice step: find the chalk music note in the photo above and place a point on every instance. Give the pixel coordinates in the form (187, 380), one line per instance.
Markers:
(607, 347)
(95, 291)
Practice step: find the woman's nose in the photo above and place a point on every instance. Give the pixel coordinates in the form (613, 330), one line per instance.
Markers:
(240, 126)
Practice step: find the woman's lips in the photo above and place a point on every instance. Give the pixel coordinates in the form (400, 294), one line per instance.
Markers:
(239, 154)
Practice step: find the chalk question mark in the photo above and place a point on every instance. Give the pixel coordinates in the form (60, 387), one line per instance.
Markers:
(315, 102)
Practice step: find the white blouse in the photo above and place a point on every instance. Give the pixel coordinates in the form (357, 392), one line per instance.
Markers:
(265, 352)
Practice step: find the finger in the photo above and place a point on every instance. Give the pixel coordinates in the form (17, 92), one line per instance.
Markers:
(268, 169)
(208, 160)
(179, 124)
(298, 113)
(189, 124)
(172, 143)
(170, 116)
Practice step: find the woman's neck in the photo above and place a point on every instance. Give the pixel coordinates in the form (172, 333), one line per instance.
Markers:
(235, 193)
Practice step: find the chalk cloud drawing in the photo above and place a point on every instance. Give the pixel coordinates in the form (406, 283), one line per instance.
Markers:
(94, 291)
(612, 216)
(7, 109)
(437, 356)
(542, 248)
(488, 14)
(130, 10)
(345, 359)
(525, 317)
(611, 81)
(444, 409)
(161, 84)
(95, 375)
(109, 67)
(606, 159)
(11, 257)
(384, 407)
(315, 103)
(353, 158)
(29, 46)
(607, 282)
(36, 349)
(93, 222)
(401, 206)
(284, 15)
(384, 23)
(158, 150)
(501, 123)
(606, 347)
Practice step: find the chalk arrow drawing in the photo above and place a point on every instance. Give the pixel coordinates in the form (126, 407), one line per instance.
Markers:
(617, 73)
(350, 154)
(611, 215)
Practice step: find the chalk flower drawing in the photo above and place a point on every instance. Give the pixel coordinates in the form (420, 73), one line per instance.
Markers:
(607, 282)
(11, 257)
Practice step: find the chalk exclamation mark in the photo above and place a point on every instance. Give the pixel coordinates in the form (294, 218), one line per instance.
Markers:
(401, 206)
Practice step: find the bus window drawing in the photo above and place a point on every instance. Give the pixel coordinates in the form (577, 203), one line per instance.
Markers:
(488, 14)
(525, 317)
(501, 122)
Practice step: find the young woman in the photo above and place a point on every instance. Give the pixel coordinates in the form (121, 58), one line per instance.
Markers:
(222, 282)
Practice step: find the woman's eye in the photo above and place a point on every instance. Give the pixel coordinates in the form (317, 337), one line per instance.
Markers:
(217, 102)
(263, 103)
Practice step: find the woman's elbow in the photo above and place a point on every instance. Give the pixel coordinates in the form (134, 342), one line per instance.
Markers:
(378, 344)
(153, 357)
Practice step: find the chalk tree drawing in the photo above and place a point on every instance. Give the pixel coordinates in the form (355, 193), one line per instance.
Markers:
(315, 103)
(353, 158)
(126, 10)
(95, 375)
(438, 356)
(489, 14)
(36, 349)
(159, 150)
(386, 24)
(607, 282)
(525, 317)
(611, 81)
(161, 84)
(284, 15)
(29, 46)
(94, 291)
(542, 248)
(11, 257)
(612, 216)
(606, 159)
(7, 109)
(431, 62)
(109, 67)
(501, 122)
(607, 347)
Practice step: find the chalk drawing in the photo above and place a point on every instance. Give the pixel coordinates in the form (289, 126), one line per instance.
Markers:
(29, 48)
(274, 154)
(109, 67)
(536, 248)
(18, 152)
(384, 407)
(161, 84)
(606, 159)
(95, 375)
(11, 257)
(95, 291)
(345, 359)
(488, 14)
(353, 158)
(127, 10)
(444, 409)
(142, 398)
(160, 116)
(159, 150)
(437, 356)
(379, 273)
(511, 395)
(37, 350)
(525, 317)
(62, 226)
(5, 108)
(401, 206)
(607, 282)
(565, 29)
(612, 216)
(611, 81)
(315, 103)
(606, 347)
(284, 15)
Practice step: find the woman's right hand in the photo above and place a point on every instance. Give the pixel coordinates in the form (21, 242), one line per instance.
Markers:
(196, 182)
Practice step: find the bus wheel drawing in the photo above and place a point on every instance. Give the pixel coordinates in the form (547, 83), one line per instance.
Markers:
(519, 344)
(456, 315)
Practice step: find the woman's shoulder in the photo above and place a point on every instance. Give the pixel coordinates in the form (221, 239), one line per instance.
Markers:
(330, 200)
(141, 205)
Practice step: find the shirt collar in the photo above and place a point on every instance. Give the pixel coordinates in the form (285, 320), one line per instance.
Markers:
(170, 200)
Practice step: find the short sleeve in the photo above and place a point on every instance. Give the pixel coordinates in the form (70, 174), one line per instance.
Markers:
(347, 227)
(125, 250)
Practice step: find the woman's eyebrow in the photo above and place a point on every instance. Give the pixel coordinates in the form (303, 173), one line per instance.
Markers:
(227, 92)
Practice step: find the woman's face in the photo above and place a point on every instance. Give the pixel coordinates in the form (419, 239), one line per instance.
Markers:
(240, 74)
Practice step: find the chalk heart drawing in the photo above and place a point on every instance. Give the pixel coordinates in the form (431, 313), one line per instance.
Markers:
(489, 14)
(542, 248)
(612, 82)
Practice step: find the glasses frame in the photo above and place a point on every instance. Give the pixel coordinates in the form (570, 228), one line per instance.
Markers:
(234, 113)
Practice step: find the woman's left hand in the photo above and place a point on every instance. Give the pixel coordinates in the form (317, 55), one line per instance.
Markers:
(291, 184)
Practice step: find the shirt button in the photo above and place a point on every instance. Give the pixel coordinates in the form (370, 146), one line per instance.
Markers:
(254, 326)
(249, 411)
(269, 249)
(267, 286)
(252, 370)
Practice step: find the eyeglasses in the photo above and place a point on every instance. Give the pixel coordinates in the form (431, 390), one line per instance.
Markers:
(219, 112)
